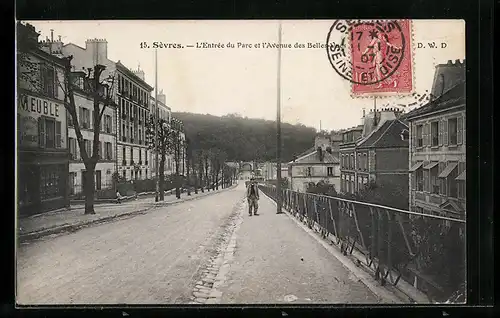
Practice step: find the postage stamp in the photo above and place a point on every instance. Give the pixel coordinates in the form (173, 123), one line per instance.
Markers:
(375, 56)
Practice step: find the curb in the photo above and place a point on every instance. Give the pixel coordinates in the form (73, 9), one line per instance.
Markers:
(75, 227)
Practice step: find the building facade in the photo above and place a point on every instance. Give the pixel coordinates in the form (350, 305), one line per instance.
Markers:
(318, 165)
(437, 158)
(378, 154)
(133, 98)
(132, 95)
(164, 113)
(106, 164)
(42, 145)
(347, 158)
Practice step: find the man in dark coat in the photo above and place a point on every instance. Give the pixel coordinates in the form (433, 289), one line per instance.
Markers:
(253, 197)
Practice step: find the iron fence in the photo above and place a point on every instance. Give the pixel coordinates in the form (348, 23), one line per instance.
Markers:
(426, 251)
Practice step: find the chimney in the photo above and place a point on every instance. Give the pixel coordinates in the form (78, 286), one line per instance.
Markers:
(320, 154)
(162, 98)
(99, 49)
(51, 35)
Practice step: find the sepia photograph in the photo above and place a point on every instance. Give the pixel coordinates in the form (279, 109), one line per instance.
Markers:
(183, 162)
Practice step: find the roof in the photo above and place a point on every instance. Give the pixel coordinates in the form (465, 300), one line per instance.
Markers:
(455, 96)
(386, 135)
(312, 157)
(133, 75)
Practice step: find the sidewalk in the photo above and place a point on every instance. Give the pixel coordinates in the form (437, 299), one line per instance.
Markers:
(49, 223)
(277, 261)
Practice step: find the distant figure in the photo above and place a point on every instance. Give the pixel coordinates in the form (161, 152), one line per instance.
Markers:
(118, 197)
(253, 197)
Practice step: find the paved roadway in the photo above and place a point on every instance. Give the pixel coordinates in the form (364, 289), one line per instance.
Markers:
(175, 254)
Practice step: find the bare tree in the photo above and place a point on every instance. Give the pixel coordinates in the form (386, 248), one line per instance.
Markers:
(101, 92)
(161, 139)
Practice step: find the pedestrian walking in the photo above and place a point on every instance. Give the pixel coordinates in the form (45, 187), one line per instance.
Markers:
(253, 197)
(118, 197)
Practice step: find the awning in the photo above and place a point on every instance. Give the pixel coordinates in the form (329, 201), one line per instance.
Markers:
(461, 176)
(416, 166)
(431, 165)
(449, 168)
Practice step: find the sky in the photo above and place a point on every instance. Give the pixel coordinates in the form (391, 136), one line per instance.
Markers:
(243, 80)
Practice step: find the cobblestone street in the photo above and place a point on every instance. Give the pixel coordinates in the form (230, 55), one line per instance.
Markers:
(202, 251)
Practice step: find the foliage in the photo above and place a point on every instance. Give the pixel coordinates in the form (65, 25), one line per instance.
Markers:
(322, 187)
(245, 139)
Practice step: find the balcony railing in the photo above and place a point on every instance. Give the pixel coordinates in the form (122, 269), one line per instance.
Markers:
(421, 249)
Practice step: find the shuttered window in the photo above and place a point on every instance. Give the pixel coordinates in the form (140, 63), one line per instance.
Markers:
(58, 134)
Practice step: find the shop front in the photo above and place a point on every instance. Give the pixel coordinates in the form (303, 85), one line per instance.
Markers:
(42, 180)
(42, 154)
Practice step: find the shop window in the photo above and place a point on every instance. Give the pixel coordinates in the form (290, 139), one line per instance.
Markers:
(50, 182)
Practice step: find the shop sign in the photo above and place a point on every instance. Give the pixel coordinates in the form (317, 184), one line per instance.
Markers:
(38, 106)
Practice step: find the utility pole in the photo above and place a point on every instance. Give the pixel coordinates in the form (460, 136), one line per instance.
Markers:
(278, 128)
(155, 125)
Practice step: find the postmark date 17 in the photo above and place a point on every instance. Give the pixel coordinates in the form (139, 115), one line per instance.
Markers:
(160, 45)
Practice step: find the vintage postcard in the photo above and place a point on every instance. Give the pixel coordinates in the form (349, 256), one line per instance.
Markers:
(240, 162)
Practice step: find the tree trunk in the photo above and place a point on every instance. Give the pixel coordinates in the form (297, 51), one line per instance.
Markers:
(188, 178)
(161, 180)
(89, 189)
(196, 181)
(177, 178)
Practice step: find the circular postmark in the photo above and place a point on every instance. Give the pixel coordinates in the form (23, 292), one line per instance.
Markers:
(365, 52)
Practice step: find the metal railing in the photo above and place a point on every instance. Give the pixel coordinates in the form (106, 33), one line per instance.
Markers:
(426, 251)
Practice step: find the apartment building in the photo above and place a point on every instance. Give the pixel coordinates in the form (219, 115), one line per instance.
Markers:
(131, 94)
(379, 154)
(437, 158)
(106, 164)
(42, 145)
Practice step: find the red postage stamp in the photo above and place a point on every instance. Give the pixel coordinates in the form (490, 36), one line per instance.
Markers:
(381, 57)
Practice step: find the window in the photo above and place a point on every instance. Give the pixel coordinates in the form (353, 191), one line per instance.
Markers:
(84, 118)
(98, 179)
(107, 123)
(72, 179)
(435, 133)
(48, 80)
(124, 157)
(452, 131)
(131, 155)
(309, 171)
(49, 133)
(419, 177)
(124, 173)
(73, 150)
(420, 136)
(140, 156)
(329, 171)
(452, 183)
(365, 162)
(434, 172)
(359, 162)
(50, 181)
(101, 154)
(108, 151)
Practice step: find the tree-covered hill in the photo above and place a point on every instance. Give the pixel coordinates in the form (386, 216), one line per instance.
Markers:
(245, 139)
